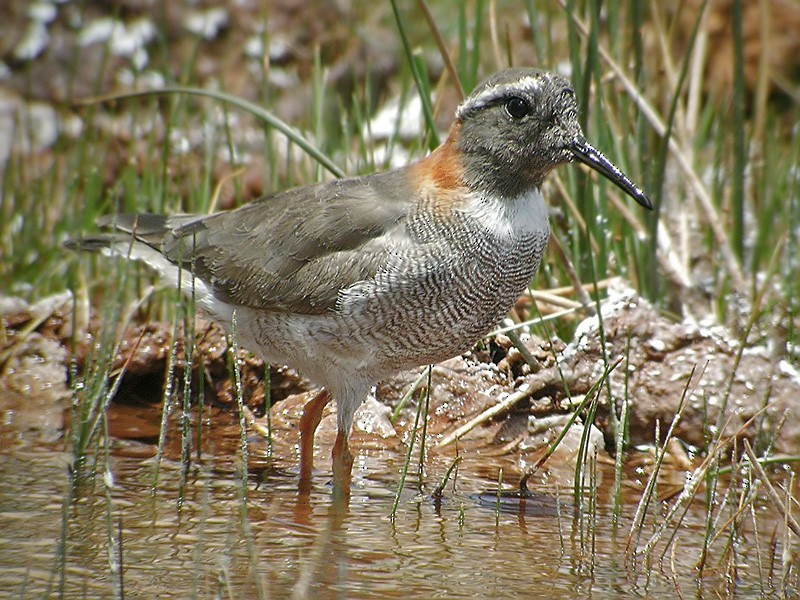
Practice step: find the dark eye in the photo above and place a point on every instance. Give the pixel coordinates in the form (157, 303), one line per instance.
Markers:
(517, 107)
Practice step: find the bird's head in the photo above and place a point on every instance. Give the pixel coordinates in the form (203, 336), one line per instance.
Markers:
(517, 126)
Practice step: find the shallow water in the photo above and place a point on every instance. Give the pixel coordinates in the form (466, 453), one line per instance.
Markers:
(194, 535)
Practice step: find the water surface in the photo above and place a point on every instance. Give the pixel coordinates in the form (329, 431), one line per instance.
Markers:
(199, 532)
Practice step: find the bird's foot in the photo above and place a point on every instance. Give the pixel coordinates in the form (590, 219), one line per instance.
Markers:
(312, 415)
(342, 467)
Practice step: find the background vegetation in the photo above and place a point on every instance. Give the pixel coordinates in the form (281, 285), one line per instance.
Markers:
(703, 115)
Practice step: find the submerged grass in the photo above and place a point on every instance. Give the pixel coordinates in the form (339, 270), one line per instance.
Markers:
(421, 413)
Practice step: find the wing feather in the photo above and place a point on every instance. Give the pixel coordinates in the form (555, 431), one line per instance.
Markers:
(294, 251)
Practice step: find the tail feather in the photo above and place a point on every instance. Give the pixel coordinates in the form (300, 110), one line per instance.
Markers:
(150, 228)
(94, 243)
(124, 245)
(144, 224)
(138, 237)
(150, 238)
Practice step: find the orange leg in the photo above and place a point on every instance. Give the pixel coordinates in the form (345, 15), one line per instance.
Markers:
(342, 466)
(312, 415)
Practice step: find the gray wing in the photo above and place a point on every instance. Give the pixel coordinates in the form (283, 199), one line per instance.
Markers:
(293, 251)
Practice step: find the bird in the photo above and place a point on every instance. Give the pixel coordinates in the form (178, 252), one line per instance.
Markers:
(352, 280)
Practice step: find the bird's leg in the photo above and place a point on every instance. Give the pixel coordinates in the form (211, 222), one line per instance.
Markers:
(342, 466)
(312, 415)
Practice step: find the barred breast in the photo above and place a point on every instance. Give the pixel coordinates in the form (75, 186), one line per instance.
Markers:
(461, 278)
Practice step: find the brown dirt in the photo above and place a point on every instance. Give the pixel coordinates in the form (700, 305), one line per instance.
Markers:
(658, 357)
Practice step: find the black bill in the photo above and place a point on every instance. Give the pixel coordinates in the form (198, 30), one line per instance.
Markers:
(591, 156)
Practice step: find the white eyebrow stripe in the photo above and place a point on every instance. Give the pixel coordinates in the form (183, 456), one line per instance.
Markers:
(528, 84)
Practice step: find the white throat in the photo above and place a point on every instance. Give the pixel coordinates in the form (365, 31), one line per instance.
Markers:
(522, 216)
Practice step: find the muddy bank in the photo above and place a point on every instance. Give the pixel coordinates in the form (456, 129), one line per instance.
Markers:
(491, 400)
